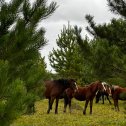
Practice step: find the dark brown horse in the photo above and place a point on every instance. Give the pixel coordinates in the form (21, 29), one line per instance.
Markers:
(55, 89)
(106, 92)
(83, 93)
(118, 93)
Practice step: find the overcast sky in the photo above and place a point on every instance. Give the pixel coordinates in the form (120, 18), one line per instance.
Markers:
(73, 11)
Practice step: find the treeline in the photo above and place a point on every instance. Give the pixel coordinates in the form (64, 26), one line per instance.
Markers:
(101, 58)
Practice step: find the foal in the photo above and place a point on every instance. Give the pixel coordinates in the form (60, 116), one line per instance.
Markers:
(83, 93)
(54, 90)
(118, 93)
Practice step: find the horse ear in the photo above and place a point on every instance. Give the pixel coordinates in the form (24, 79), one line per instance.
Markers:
(99, 81)
(74, 79)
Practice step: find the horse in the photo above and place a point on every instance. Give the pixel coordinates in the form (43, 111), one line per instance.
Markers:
(83, 94)
(106, 92)
(54, 90)
(118, 93)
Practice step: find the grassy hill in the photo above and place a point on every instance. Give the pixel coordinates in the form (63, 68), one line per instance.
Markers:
(103, 115)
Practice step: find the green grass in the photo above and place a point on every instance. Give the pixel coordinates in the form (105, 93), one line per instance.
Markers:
(103, 115)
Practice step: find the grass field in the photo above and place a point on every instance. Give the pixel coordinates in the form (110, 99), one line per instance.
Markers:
(103, 115)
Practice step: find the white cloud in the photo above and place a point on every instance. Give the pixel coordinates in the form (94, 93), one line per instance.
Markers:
(76, 10)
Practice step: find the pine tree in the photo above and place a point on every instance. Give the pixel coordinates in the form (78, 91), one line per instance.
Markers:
(105, 53)
(114, 32)
(118, 7)
(104, 61)
(20, 59)
(66, 60)
(12, 95)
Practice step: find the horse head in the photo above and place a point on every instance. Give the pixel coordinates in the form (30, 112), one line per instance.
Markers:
(100, 86)
(73, 84)
(107, 88)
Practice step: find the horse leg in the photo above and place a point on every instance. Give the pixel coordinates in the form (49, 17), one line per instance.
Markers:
(86, 104)
(48, 105)
(65, 106)
(51, 100)
(56, 108)
(116, 105)
(70, 105)
(97, 99)
(102, 99)
(108, 100)
(91, 103)
(65, 103)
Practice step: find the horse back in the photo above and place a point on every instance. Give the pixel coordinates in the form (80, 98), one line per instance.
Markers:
(81, 94)
(119, 93)
(53, 88)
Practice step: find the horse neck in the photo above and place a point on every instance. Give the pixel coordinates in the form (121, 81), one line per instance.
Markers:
(94, 88)
(64, 83)
(108, 89)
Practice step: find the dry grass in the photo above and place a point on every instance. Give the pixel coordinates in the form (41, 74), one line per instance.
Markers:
(103, 115)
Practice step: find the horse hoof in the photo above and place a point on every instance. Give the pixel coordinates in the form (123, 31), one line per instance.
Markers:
(84, 113)
(56, 112)
(47, 112)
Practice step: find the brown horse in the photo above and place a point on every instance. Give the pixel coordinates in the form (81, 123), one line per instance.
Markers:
(55, 88)
(106, 92)
(83, 93)
(118, 93)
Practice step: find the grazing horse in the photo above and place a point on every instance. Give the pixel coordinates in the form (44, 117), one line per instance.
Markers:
(54, 90)
(106, 92)
(83, 93)
(118, 93)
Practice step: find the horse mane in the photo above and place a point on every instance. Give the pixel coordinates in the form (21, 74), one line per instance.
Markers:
(63, 81)
(105, 83)
(93, 83)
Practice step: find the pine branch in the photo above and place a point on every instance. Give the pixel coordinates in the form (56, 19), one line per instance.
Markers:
(118, 7)
(92, 24)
